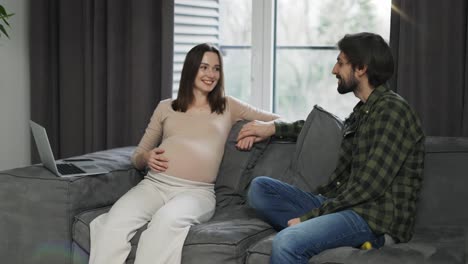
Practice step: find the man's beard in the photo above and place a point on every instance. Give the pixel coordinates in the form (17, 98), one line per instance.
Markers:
(347, 86)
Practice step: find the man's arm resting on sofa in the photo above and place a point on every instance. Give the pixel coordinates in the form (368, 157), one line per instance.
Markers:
(263, 130)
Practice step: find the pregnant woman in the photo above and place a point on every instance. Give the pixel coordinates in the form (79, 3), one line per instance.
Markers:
(183, 146)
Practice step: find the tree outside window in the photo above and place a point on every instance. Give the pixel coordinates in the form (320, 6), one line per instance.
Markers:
(306, 33)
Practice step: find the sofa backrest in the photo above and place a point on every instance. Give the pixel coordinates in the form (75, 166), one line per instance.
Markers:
(230, 182)
(445, 185)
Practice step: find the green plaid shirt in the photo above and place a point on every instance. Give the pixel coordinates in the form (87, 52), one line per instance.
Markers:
(379, 171)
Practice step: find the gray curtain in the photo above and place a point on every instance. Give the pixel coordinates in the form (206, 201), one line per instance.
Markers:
(429, 41)
(98, 70)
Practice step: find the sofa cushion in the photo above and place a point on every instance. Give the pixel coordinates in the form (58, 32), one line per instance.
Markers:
(79, 256)
(81, 235)
(313, 159)
(228, 186)
(225, 238)
(80, 230)
(436, 245)
(445, 182)
(305, 164)
(317, 149)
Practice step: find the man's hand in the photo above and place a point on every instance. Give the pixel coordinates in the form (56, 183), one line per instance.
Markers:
(246, 143)
(294, 221)
(259, 129)
(156, 161)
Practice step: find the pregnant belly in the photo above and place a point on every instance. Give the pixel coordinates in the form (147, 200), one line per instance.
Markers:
(192, 160)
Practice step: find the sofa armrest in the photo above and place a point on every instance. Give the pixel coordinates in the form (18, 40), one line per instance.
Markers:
(38, 207)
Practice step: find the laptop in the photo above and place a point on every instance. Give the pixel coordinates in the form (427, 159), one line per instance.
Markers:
(64, 168)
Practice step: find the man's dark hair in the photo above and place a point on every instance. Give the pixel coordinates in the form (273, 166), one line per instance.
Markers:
(192, 63)
(371, 50)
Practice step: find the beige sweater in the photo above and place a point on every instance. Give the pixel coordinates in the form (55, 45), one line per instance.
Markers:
(193, 142)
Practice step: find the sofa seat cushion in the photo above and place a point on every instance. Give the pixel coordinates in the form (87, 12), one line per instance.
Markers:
(430, 245)
(81, 231)
(226, 237)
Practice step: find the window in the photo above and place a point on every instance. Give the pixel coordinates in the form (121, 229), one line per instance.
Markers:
(195, 22)
(236, 42)
(278, 54)
(306, 36)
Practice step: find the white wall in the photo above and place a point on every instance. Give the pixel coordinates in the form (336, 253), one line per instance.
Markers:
(14, 89)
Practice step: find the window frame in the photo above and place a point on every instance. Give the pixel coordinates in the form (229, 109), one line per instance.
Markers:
(263, 53)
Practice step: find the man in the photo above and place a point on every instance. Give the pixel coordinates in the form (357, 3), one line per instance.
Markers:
(375, 186)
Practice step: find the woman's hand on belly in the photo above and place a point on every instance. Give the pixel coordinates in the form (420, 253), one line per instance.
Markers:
(156, 161)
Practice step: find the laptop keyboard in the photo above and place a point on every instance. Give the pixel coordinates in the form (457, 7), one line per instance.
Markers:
(66, 169)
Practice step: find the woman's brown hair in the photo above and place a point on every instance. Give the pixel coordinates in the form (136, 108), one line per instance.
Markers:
(192, 63)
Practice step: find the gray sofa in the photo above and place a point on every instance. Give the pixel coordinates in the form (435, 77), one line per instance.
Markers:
(45, 219)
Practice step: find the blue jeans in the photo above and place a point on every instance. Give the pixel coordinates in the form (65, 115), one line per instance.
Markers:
(278, 202)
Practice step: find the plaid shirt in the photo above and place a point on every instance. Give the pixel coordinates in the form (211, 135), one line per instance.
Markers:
(379, 171)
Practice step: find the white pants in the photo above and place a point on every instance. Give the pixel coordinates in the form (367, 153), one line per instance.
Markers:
(170, 204)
